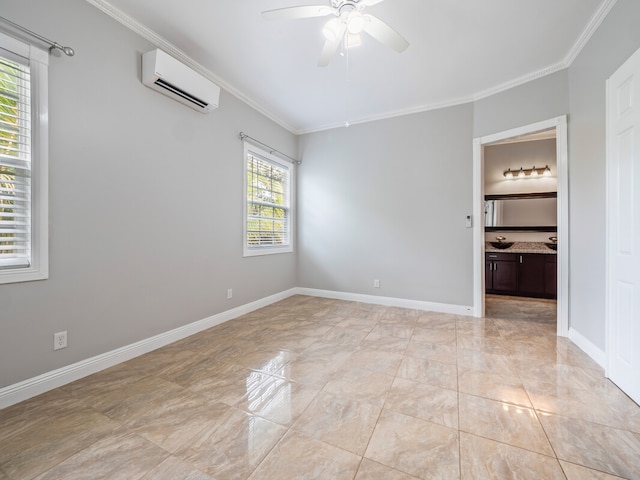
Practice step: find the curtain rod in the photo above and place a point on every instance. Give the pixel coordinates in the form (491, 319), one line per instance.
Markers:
(272, 150)
(54, 47)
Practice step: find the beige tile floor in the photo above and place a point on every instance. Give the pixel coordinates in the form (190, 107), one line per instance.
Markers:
(313, 388)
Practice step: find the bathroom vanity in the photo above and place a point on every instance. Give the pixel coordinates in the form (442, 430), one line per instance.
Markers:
(526, 269)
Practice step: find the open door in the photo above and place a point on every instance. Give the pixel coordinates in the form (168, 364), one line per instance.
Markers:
(623, 227)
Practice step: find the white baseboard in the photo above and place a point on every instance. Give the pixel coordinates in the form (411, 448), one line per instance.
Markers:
(18, 392)
(589, 348)
(31, 387)
(387, 301)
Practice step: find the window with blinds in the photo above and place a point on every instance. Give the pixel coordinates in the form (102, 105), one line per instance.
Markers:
(267, 204)
(23, 161)
(15, 164)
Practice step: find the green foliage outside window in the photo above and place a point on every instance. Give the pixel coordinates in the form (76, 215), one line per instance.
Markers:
(267, 211)
(9, 146)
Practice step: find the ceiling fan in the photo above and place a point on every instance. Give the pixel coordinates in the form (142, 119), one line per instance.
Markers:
(345, 27)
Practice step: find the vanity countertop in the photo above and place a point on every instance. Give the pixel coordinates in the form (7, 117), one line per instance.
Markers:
(522, 247)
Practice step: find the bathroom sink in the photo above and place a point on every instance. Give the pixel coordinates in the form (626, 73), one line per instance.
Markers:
(501, 245)
(552, 246)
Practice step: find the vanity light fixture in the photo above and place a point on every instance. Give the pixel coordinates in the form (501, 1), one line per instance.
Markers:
(527, 172)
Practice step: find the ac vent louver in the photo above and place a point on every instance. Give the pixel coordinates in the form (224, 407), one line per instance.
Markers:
(182, 93)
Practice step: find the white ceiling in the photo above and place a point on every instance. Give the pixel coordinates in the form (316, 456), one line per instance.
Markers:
(460, 50)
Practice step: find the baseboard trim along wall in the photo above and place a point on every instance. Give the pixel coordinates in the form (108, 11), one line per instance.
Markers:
(387, 301)
(589, 348)
(18, 392)
(26, 389)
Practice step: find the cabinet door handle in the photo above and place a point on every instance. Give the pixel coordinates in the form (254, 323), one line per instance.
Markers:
(520, 258)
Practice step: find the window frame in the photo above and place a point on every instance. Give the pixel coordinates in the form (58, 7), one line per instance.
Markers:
(38, 62)
(252, 251)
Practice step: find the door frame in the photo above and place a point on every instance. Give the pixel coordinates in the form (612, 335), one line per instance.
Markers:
(560, 125)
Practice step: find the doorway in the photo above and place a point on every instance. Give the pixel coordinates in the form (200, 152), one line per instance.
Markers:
(559, 126)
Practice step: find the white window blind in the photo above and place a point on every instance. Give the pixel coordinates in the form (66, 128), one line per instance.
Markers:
(24, 146)
(267, 206)
(15, 164)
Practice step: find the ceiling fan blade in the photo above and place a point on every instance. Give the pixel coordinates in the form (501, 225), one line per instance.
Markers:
(369, 3)
(292, 13)
(330, 48)
(384, 33)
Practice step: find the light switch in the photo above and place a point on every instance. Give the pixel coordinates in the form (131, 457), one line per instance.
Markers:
(468, 221)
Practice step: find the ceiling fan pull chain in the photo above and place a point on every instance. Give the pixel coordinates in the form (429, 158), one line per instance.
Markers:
(346, 114)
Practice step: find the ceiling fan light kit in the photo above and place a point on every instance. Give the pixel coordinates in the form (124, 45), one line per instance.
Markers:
(332, 30)
(355, 22)
(346, 27)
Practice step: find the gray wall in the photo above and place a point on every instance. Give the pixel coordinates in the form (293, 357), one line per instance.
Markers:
(145, 203)
(539, 153)
(616, 39)
(387, 200)
(538, 100)
(497, 158)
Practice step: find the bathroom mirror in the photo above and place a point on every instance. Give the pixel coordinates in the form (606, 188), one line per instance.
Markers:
(524, 212)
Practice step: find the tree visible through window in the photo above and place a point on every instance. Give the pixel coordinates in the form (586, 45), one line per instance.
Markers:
(267, 222)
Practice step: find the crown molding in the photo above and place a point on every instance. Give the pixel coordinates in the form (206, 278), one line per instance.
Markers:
(448, 103)
(516, 82)
(157, 40)
(129, 22)
(391, 114)
(595, 21)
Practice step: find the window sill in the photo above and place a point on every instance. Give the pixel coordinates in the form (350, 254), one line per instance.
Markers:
(255, 252)
(22, 275)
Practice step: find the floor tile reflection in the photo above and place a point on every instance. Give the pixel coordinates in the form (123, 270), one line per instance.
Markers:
(314, 388)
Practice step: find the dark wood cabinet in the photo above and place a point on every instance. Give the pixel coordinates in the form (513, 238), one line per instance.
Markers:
(551, 276)
(523, 274)
(531, 274)
(501, 272)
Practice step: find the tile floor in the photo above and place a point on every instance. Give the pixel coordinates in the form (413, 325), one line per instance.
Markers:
(313, 388)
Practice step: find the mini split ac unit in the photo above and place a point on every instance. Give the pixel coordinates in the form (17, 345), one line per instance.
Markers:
(167, 75)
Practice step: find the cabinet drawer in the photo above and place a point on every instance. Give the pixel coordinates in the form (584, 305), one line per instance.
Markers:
(500, 257)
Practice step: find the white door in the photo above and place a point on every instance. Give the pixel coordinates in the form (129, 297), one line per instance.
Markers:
(623, 227)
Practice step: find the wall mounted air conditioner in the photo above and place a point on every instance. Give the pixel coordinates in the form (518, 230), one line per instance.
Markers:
(167, 75)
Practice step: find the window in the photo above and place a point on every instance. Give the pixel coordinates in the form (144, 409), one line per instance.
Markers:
(267, 219)
(23, 161)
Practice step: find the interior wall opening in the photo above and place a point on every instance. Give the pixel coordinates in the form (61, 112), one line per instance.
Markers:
(520, 223)
(520, 241)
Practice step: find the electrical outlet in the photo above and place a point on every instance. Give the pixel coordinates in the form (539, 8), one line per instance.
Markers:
(229, 293)
(60, 340)
(376, 283)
